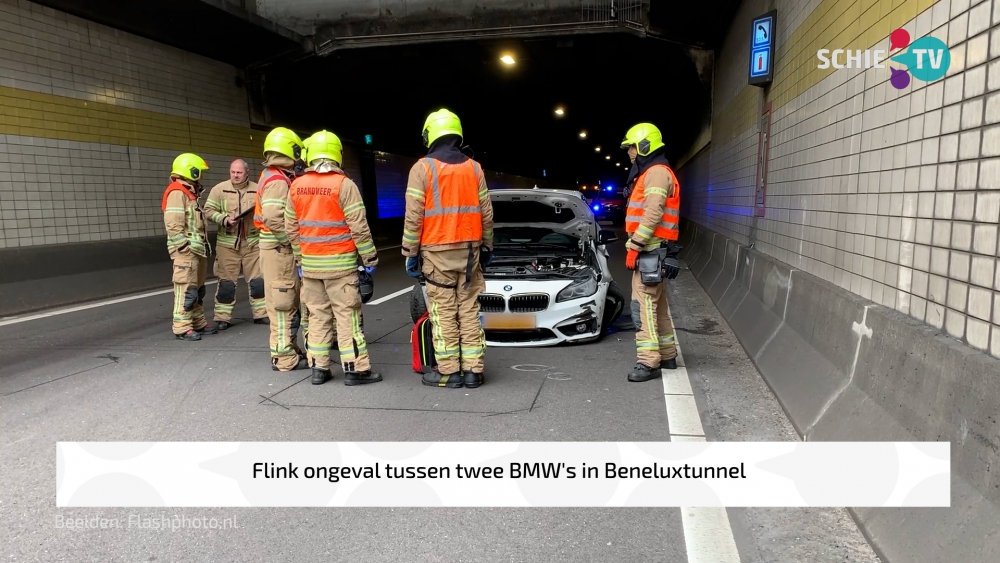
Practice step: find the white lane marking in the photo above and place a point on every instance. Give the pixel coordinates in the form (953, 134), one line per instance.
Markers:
(55, 312)
(708, 536)
(688, 439)
(682, 415)
(391, 296)
(676, 382)
(15, 320)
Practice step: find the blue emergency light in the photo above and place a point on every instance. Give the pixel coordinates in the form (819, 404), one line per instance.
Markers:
(596, 207)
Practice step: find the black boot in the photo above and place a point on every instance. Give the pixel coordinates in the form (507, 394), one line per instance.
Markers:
(261, 321)
(321, 376)
(668, 364)
(190, 335)
(642, 372)
(472, 379)
(208, 329)
(223, 325)
(435, 379)
(361, 377)
(303, 364)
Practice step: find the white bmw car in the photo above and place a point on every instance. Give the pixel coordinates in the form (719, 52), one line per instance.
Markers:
(549, 281)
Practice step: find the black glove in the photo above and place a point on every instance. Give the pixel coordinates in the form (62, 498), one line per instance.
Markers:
(671, 268)
(670, 265)
(673, 249)
(485, 256)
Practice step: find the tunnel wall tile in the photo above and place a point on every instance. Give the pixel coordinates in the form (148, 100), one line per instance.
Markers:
(91, 119)
(890, 194)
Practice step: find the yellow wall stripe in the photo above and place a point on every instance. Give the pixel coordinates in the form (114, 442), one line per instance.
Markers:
(36, 114)
(833, 24)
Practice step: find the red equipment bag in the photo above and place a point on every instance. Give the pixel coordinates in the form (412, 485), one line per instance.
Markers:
(422, 340)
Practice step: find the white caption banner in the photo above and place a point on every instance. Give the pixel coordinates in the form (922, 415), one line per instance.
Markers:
(498, 474)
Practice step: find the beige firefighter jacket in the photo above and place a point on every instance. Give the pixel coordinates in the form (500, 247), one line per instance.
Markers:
(414, 218)
(228, 200)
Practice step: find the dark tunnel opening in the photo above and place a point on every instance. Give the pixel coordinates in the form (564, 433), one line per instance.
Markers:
(604, 83)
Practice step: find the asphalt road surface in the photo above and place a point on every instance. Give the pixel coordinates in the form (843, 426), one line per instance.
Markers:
(114, 372)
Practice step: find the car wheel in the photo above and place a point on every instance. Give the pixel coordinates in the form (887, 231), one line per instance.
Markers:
(613, 307)
(417, 304)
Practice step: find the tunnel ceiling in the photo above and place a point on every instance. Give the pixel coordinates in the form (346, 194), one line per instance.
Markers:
(605, 83)
(212, 28)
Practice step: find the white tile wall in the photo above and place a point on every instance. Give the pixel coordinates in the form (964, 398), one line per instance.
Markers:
(59, 191)
(44, 50)
(894, 195)
(54, 191)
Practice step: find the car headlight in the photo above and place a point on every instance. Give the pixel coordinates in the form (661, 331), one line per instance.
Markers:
(581, 288)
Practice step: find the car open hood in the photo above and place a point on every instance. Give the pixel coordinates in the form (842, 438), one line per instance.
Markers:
(561, 211)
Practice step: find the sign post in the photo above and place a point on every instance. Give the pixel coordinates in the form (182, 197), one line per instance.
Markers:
(761, 70)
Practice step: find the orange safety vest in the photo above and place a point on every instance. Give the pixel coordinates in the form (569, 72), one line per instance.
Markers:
(323, 229)
(174, 187)
(451, 203)
(266, 177)
(669, 223)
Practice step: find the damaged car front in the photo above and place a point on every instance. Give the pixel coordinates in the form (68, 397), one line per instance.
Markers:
(549, 281)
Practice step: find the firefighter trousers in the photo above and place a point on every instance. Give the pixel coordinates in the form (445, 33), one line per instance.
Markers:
(334, 303)
(229, 262)
(189, 292)
(654, 333)
(281, 298)
(459, 340)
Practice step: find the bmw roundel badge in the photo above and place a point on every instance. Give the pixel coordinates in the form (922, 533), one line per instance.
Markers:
(507, 288)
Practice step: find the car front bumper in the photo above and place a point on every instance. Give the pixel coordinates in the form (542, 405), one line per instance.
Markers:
(577, 320)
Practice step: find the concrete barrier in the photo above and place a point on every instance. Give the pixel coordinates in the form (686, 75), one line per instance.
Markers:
(846, 369)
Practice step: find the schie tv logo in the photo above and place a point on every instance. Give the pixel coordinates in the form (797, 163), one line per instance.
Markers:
(927, 59)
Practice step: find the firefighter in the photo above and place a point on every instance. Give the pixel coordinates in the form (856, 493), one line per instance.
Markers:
(282, 156)
(652, 222)
(230, 204)
(187, 242)
(447, 239)
(326, 226)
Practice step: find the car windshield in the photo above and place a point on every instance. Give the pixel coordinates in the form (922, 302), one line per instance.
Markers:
(532, 235)
(529, 212)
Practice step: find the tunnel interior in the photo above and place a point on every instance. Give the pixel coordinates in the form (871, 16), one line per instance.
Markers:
(603, 83)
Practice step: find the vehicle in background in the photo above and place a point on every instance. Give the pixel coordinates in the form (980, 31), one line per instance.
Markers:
(607, 204)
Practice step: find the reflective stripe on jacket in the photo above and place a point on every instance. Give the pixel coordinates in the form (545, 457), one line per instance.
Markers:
(269, 175)
(227, 200)
(667, 227)
(324, 240)
(183, 220)
(452, 212)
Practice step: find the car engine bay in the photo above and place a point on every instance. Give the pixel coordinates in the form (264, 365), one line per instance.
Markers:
(536, 266)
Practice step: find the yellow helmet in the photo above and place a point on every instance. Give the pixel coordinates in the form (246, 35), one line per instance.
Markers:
(283, 141)
(646, 138)
(440, 123)
(188, 166)
(324, 144)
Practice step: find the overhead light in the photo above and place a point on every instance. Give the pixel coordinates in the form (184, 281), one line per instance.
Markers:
(598, 149)
(507, 59)
(608, 157)
(559, 111)
(583, 134)
(618, 164)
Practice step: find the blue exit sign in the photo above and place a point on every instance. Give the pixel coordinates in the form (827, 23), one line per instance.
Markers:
(761, 69)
